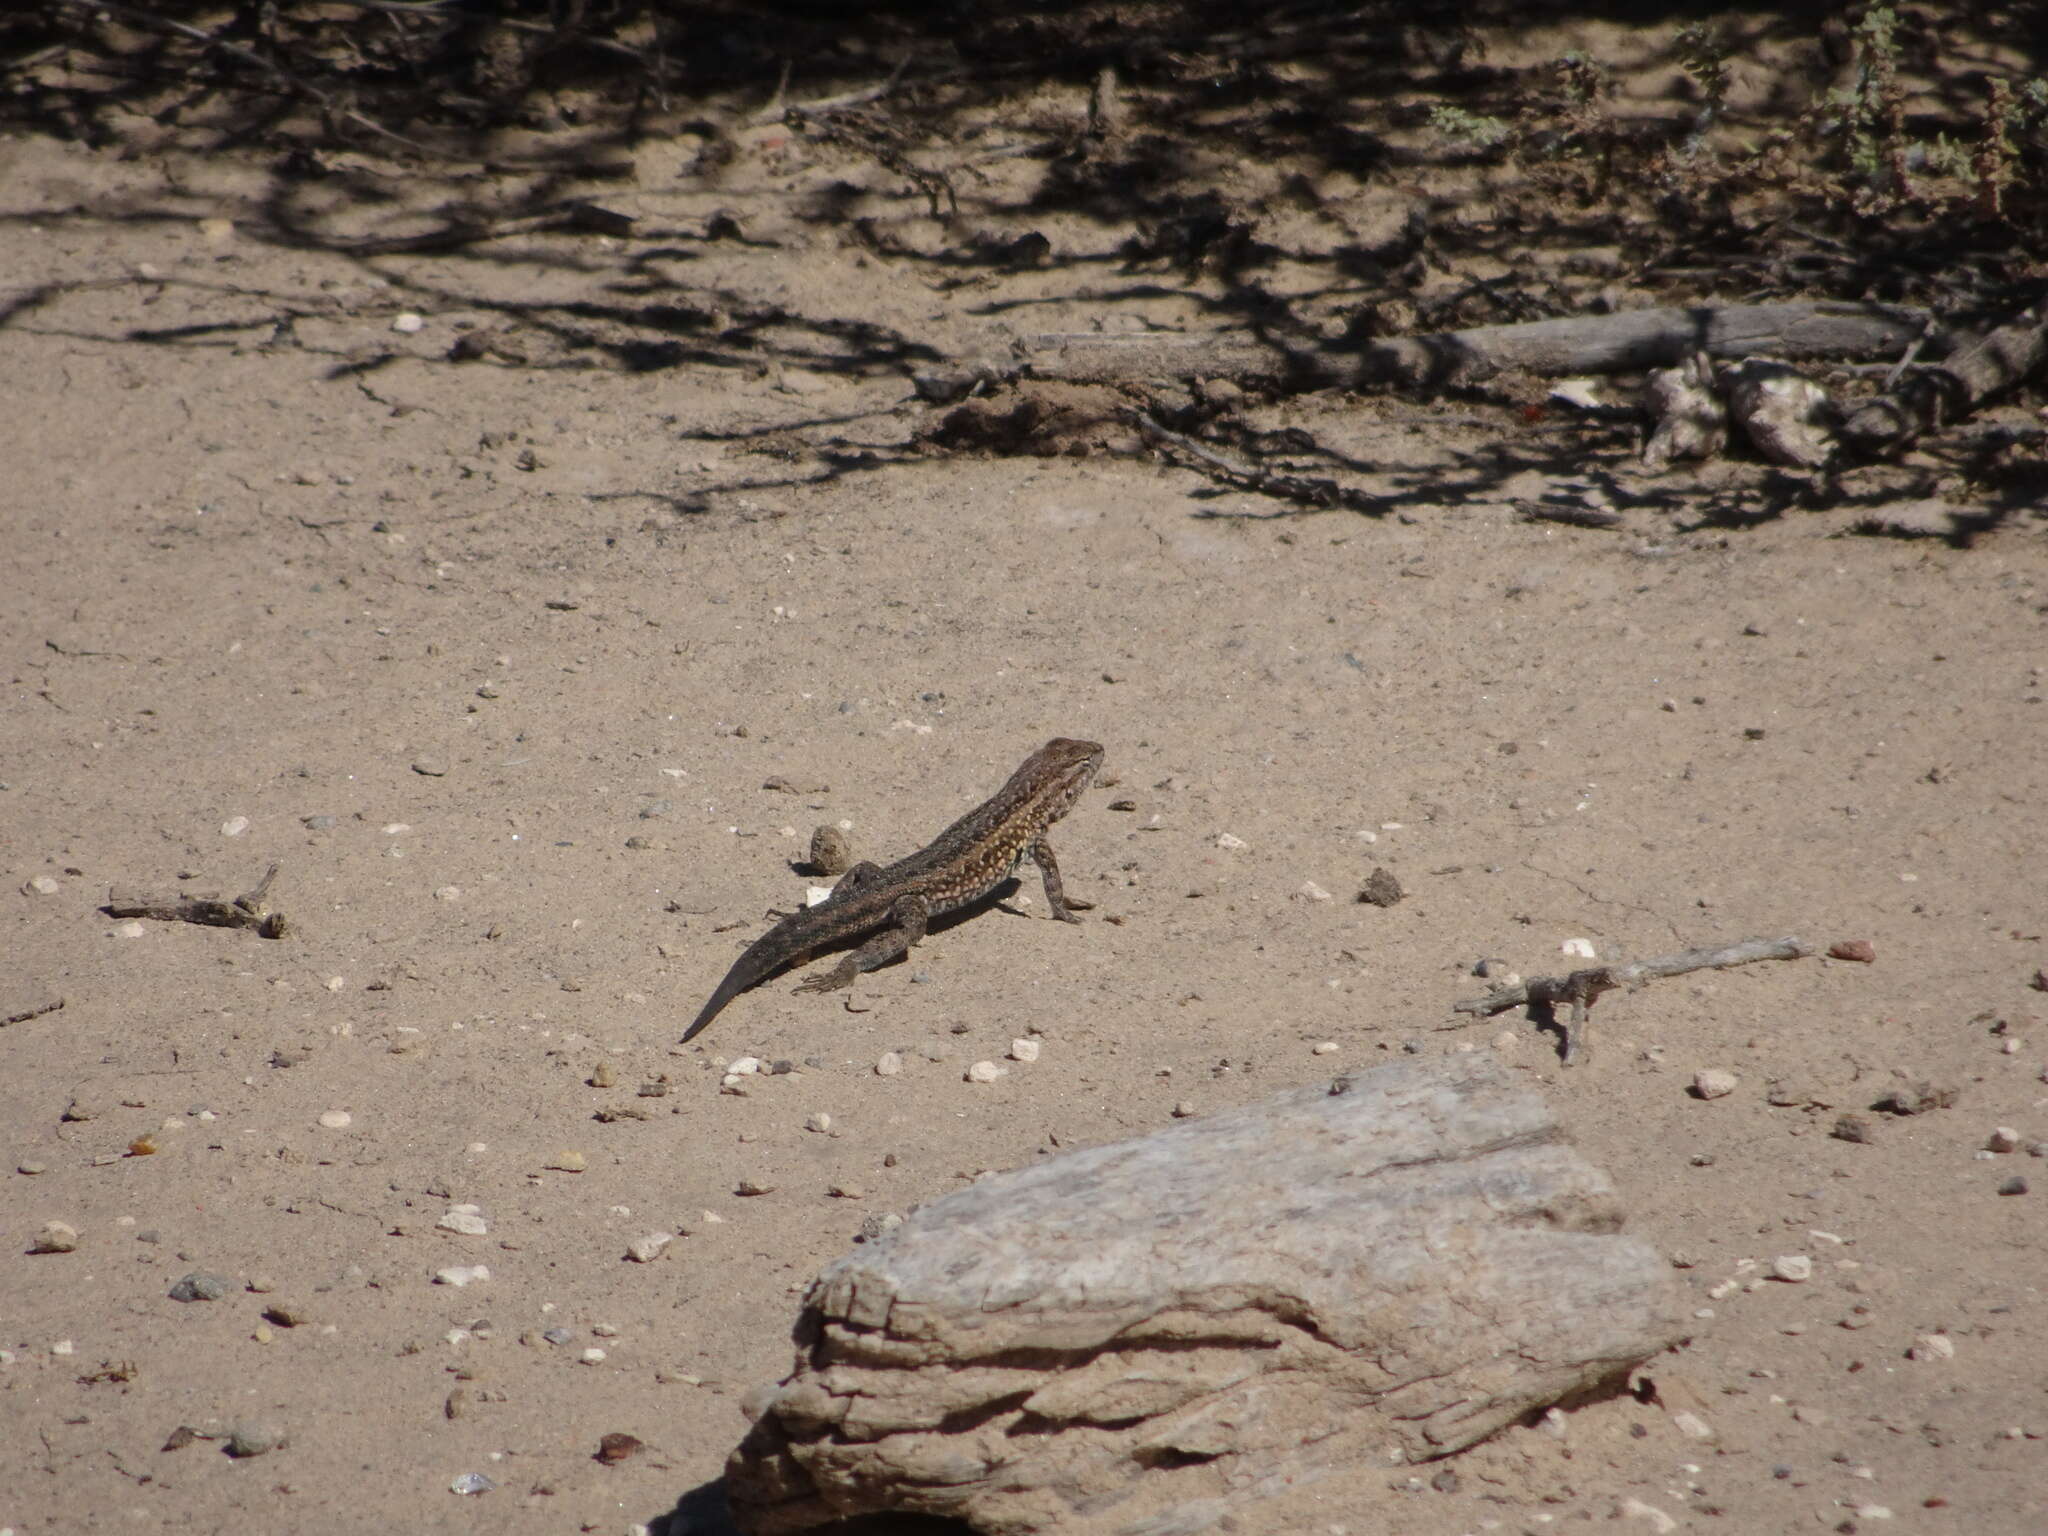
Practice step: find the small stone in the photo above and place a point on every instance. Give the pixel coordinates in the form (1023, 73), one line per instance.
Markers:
(746, 1066)
(252, 1437)
(459, 1275)
(471, 1482)
(1023, 1050)
(287, 1314)
(2016, 1185)
(2002, 1139)
(234, 826)
(1313, 891)
(1859, 950)
(830, 854)
(1932, 1346)
(55, 1237)
(645, 1250)
(409, 324)
(1381, 889)
(31, 1167)
(558, 1336)
(567, 1161)
(41, 885)
(336, 1119)
(888, 1064)
(1714, 1083)
(615, 1448)
(1793, 1268)
(1323, 1048)
(1692, 1426)
(592, 1356)
(1184, 1109)
(985, 1072)
(1578, 949)
(750, 1188)
(1851, 1128)
(466, 1219)
(819, 1122)
(201, 1285)
(448, 893)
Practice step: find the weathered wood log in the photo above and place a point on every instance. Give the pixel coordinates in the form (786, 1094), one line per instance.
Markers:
(1936, 396)
(1632, 340)
(1384, 1268)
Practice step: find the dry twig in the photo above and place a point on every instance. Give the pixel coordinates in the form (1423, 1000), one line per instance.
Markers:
(251, 909)
(1581, 989)
(1319, 491)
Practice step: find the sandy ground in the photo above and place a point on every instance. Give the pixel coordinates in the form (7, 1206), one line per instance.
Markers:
(497, 661)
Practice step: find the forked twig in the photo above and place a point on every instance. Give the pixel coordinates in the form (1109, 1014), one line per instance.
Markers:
(1581, 989)
(251, 909)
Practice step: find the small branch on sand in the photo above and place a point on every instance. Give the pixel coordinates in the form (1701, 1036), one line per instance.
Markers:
(1319, 491)
(251, 909)
(1581, 989)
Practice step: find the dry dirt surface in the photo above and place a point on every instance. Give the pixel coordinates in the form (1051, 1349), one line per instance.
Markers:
(528, 597)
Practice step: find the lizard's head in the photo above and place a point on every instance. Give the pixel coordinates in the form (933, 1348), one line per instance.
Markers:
(1069, 763)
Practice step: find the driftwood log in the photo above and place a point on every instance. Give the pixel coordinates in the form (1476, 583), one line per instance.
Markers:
(1946, 393)
(1157, 1335)
(1633, 340)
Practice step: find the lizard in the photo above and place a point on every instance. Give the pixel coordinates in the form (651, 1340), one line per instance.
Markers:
(964, 863)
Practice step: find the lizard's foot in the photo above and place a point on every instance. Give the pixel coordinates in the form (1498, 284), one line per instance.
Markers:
(841, 975)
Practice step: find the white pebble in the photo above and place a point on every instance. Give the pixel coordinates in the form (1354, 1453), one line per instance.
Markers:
(1313, 891)
(234, 826)
(1325, 1048)
(1932, 1346)
(1184, 1109)
(1507, 1040)
(819, 1122)
(1714, 1083)
(55, 1237)
(130, 930)
(448, 893)
(462, 1274)
(746, 1066)
(336, 1119)
(593, 1356)
(409, 324)
(41, 885)
(63, 1347)
(1872, 1512)
(645, 1250)
(2003, 1139)
(1226, 840)
(1023, 1050)
(1693, 1425)
(396, 828)
(985, 1072)
(888, 1064)
(1636, 1509)
(1792, 1268)
(466, 1219)
(1579, 948)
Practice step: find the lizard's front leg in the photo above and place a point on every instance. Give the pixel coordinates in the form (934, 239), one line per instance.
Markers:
(1063, 906)
(907, 920)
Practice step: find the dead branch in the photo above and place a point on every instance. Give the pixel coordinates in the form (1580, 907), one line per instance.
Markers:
(251, 909)
(1948, 391)
(1633, 340)
(1581, 989)
(39, 1002)
(1319, 491)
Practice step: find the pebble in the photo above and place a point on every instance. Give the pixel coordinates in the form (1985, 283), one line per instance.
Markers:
(287, 1314)
(31, 1168)
(746, 1066)
(1792, 1268)
(466, 1219)
(846, 1192)
(409, 324)
(1183, 1110)
(459, 1275)
(448, 893)
(1229, 840)
(1660, 1522)
(471, 1482)
(55, 1237)
(1580, 949)
(201, 1285)
(985, 1072)
(819, 1122)
(1313, 891)
(592, 1356)
(253, 1437)
(234, 826)
(1859, 950)
(128, 930)
(41, 885)
(2016, 1185)
(1023, 1050)
(888, 1064)
(1324, 1048)
(567, 1161)
(1932, 1346)
(336, 1119)
(1714, 1083)
(2002, 1139)
(645, 1250)
(558, 1335)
